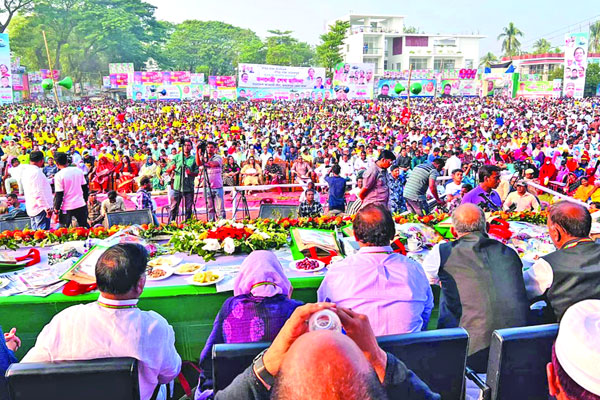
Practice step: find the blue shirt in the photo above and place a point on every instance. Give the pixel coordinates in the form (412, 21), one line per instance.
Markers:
(21, 207)
(337, 189)
(478, 196)
(7, 357)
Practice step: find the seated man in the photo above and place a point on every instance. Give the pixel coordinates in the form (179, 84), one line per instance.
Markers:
(350, 367)
(8, 347)
(389, 287)
(571, 273)
(310, 207)
(13, 204)
(113, 326)
(521, 200)
(112, 203)
(573, 372)
(482, 289)
(94, 207)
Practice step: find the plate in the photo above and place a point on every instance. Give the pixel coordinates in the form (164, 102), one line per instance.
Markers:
(320, 267)
(201, 267)
(164, 262)
(190, 280)
(168, 273)
(4, 283)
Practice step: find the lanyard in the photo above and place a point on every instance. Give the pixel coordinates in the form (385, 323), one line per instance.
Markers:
(575, 243)
(116, 307)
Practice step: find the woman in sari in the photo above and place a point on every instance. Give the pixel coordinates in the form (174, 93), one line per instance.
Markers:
(103, 175)
(251, 173)
(126, 173)
(152, 170)
(231, 172)
(273, 173)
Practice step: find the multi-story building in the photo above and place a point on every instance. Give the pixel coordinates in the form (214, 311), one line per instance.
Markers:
(543, 64)
(380, 40)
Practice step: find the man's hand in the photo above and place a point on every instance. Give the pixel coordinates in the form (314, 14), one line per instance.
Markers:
(12, 341)
(49, 213)
(358, 328)
(440, 202)
(295, 326)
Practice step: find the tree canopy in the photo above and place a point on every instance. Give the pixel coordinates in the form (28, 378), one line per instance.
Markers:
(329, 51)
(510, 41)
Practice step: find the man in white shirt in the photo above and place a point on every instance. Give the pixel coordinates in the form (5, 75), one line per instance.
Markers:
(71, 193)
(113, 326)
(521, 200)
(37, 191)
(453, 162)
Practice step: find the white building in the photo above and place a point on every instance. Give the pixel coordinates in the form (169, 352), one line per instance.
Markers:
(380, 40)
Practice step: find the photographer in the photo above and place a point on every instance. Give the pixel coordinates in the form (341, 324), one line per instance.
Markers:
(206, 155)
(183, 188)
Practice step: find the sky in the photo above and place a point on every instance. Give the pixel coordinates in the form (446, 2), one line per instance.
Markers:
(307, 19)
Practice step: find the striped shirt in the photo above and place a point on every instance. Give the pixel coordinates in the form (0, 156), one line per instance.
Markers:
(418, 181)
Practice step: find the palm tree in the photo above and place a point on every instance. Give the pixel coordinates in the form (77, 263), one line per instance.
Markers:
(510, 43)
(595, 37)
(487, 59)
(542, 46)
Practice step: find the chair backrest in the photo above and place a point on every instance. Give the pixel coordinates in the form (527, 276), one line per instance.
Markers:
(100, 379)
(132, 217)
(517, 362)
(277, 211)
(437, 357)
(14, 224)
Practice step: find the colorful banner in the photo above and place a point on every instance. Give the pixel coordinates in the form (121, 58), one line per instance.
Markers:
(6, 93)
(499, 84)
(576, 48)
(118, 81)
(197, 79)
(223, 93)
(171, 92)
(120, 68)
(277, 76)
(17, 82)
(221, 81)
(181, 78)
(106, 82)
(459, 88)
(358, 78)
(386, 89)
(537, 89)
(245, 94)
(45, 74)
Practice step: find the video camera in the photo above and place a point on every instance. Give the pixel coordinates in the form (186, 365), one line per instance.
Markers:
(201, 145)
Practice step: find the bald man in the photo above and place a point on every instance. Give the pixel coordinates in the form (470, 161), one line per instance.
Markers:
(481, 280)
(571, 273)
(326, 365)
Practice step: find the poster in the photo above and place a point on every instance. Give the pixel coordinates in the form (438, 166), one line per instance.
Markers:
(6, 94)
(45, 74)
(499, 84)
(358, 78)
(121, 68)
(536, 89)
(576, 48)
(118, 81)
(17, 82)
(459, 88)
(245, 94)
(223, 93)
(106, 82)
(386, 89)
(277, 76)
(171, 92)
(197, 79)
(221, 81)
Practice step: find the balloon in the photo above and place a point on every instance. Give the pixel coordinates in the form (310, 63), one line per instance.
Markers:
(399, 88)
(336, 88)
(346, 89)
(163, 92)
(47, 84)
(416, 88)
(339, 66)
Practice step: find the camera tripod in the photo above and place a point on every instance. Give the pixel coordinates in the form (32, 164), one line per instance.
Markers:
(207, 189)
(242, 203)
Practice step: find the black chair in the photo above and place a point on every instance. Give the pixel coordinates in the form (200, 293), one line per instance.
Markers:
(275, 211)
(14, 224)
(132, 217)
(437, 357)
(100, 379)
(517, 363)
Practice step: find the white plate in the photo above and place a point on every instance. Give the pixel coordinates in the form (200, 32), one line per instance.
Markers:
(164, 262)
(320, 267)
(168, 271)
(202, 268)
(4, 283)
(190, 280)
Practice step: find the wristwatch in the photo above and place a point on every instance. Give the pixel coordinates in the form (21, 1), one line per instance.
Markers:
(261, 372)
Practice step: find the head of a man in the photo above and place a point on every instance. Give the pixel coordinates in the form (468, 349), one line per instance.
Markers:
(457, 176)
(336, 169)
(146, 183)
(36, 158)
(521, 187)
(567, 222)
(112, 196)
(468, 218)
(439, 164)
(310, 196)
(121, 271)
(395, 171)
(385, 160)
(62, 160)
(374, 226)
(489, 177)
(343, 373)
(12, 200)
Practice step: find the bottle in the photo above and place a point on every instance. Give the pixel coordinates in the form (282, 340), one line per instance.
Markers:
(325, 320)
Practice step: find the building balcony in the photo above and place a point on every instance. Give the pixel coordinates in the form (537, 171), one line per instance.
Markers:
(373, 51)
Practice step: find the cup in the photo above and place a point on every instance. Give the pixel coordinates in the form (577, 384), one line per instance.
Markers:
(413, 244)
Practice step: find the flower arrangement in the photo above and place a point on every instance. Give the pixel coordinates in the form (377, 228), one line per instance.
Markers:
(429, 220)
(540, 218)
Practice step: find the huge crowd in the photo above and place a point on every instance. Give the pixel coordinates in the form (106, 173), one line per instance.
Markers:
(467, 155)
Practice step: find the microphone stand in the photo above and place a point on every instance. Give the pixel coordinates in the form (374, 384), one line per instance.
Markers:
(206, 186)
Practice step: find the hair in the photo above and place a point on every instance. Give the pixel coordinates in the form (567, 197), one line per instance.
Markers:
(457, 170)
(313, 191)
(386, 155)
(61, 158)
(439, 162)
(112, 195)
(12, 162)
(485, 171)
(336, 169)
(575, 225)
(120, 268)
(36, 156)
(467, 186)
(478, 225)
(211, 143)
(374, 225)
(145, 180)
(12, 196)
(570, 387)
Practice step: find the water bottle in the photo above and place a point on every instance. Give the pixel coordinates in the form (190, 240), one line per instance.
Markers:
(325, 320)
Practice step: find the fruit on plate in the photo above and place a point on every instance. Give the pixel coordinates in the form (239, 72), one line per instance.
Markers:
(157, 273)
(205, 277)
(307, 264)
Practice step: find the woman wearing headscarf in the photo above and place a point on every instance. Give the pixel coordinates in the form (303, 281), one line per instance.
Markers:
(259, 308)
(103, 175)
(152, 170)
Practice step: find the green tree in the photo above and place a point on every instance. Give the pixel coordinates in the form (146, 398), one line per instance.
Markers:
(10, 8)
(594, 44)
(487, 59)
(410, 29)
(329, 51)
(557, 73)
(510, 41)
(283, 49)
(541, 46)
(592, 79)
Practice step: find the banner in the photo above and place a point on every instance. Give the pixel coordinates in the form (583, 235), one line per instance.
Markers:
(106, 82)
(6, 94)
(120, 68)
(45, 74)
(245, 94)
(277, 76)
(118, 81)
(223, 93)
(386, 89)
(358, 78)
(499, 84)
(576, 47)
(221, 81)
(536, 89)
(17, 82)
(459, 88)
(172, 92)
(598, 90)
(197, 79)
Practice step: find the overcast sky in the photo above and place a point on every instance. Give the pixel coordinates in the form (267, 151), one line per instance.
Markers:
(307, 18)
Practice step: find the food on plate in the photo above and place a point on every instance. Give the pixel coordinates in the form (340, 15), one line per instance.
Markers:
(156, 273)
(205, 277)
(165, 261)
(188, 268)
(307, 264)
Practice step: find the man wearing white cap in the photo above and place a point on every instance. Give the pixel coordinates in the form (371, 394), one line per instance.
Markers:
(574, 373)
